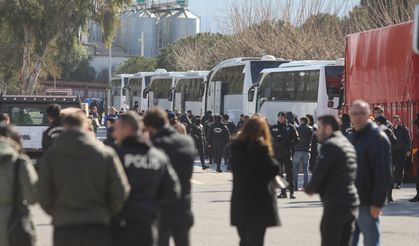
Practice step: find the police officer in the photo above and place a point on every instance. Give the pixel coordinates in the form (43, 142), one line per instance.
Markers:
(55, 129)
(218, 138)
(197, 133)
(152, 181)
(232, 129)
(184, 120)
(284, 136)
(401, 150)
(207, 125)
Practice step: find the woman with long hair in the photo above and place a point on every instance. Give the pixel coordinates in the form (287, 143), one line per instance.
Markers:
(253, 202)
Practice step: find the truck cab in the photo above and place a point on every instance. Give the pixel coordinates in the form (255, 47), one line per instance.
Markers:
(28, 114)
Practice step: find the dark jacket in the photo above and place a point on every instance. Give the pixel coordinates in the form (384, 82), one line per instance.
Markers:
(184, 120)
(181, 152)
(335, 173)
(51, 133)
(390, 134)
(305, 132)
(374, 164)
(218, 135)
(232, 129)
(152, 178)
(81, 181)
(404, 142)
(197, 134)
(284, 137)
(253, 201)
(314, 151)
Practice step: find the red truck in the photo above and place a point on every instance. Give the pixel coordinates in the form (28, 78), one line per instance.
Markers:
(382, 69)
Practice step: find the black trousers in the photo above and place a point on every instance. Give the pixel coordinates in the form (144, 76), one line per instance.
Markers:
(417, 173)
(200, 149)
(82, 235)
(399, 160)
(136, 233)
(285, 165)
(208, 151)
(251, 236)
(313, 162)
(337, 225)
(180, 236)
(217, 152)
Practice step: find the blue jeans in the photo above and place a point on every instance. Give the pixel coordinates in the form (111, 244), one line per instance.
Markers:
(368, 226)
(304, 157)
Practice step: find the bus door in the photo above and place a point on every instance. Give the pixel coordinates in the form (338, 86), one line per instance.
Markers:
(217, 97)
(151, 101)
(179, 102)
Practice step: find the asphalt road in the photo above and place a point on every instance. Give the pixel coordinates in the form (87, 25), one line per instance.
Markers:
(300, 217)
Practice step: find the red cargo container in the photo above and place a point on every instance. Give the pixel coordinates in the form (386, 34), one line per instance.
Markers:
(381, 68)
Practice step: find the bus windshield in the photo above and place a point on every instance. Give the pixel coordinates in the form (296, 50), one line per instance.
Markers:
(334, 76)
(257, 66)
(190, 89)
(161, 88)
(232, 79)
(289, 86)
(116, 87)
(135, 87)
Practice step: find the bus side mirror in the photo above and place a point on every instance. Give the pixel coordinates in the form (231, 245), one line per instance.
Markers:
(202, 91)
(251, 94)
(415, 37)
(170, 95)
(145, 93)
(124, 91)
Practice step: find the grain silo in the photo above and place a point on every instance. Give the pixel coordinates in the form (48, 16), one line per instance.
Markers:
(163, 29)
(183, 24)
(142, 24)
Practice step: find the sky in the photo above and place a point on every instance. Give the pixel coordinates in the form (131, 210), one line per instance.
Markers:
(212, 13)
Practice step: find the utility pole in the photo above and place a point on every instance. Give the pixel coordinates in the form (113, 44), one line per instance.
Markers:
(142, 44)
(110, 76)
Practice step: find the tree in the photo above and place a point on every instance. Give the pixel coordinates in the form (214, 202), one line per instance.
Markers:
(40, 23)
(137, 64)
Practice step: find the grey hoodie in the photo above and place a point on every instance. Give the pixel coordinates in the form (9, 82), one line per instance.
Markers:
(27, 180)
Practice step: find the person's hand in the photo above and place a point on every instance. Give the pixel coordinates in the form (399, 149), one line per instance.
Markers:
(408, 153)
(375, 211)
(209, 146)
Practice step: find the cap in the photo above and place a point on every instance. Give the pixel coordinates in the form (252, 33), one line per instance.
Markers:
(171, 115)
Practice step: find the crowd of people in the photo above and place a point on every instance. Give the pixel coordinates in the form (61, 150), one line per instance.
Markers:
(135, 188)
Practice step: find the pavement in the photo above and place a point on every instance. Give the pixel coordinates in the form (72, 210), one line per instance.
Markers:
(300, 217)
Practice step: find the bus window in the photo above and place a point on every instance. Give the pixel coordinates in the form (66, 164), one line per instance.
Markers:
(232, 79)
(289, 86)
(135, 87)
(190, 88)
(116, 87)
(257, 66)
(334, 76)
(160, 88)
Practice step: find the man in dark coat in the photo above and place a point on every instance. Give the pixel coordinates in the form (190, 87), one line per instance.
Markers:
(176, 218)
(55, 129)
(373, 174)
(197, 133)
(207, 124)
(334, 180)
(284, 137)
(232, 129)
(218, 138)
(401, 150)
(153, 182)
(302, 151)
(314, 151)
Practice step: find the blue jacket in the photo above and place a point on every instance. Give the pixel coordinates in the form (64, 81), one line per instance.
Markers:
(374, 164)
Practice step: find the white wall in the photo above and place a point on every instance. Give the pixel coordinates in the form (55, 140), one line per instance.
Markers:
(102, 62)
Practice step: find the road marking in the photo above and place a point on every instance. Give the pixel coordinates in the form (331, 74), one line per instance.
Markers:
(196, 182)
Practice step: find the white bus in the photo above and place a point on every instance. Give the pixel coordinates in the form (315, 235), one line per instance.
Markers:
(302, 87)
(160, 91)
(119, 91)
(189, 92)
(229, 83)
(138, 86)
